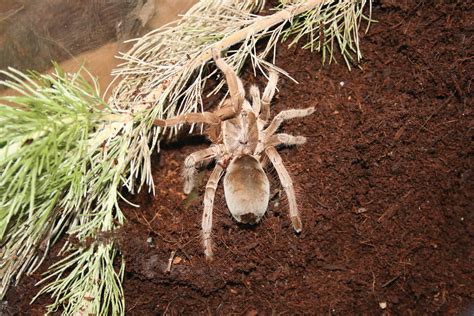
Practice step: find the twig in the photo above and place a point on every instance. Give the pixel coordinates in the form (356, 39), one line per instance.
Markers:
(11, 13)
(170, 261)
(390, 281)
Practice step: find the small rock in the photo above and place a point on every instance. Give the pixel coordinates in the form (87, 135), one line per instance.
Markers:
(251, 312)
(177, 260)
(361, 210)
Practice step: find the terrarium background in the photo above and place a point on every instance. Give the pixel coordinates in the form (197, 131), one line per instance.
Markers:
(89, 32)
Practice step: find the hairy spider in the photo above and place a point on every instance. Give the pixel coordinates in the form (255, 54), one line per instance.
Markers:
(241, 135)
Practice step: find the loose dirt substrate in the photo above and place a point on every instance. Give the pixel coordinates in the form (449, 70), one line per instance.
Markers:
(385, 189)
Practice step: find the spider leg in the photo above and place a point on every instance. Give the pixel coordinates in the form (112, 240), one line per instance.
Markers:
(211, 187)
(287, 185)
(236, 88)
(268, 94)
(286, 115)
(284, 139)
(256, 101)
(190, 162)
(204, 117)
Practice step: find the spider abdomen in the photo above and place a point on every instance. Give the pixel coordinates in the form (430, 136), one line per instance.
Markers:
(247, 189)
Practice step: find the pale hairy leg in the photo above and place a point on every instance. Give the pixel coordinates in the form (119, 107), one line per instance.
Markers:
(190, 162)
(286, 115)
(204, 117)
(256, 101)
(287, 186)
(268, 94)
(236, 88)
(209, 195)
(284, 139)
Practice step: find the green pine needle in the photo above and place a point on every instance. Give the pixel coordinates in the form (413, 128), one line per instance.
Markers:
(54, 167)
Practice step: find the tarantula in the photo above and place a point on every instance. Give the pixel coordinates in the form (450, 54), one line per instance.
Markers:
(241, 135)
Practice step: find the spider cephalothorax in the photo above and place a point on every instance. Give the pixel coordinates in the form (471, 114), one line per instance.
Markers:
(241, 135)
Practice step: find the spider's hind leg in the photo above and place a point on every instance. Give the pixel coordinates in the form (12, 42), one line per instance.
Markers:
(209, 195)
(287, 184)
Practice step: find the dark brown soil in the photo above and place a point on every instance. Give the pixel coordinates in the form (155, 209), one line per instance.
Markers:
(385, 188)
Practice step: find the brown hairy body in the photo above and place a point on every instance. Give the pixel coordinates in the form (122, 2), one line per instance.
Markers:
(246, 189)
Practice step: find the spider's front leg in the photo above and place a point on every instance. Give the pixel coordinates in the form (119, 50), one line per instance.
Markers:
(268, 94)
(211, 187)
(236, 88)
(190, 163)
(204, 117)
(256, 100)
